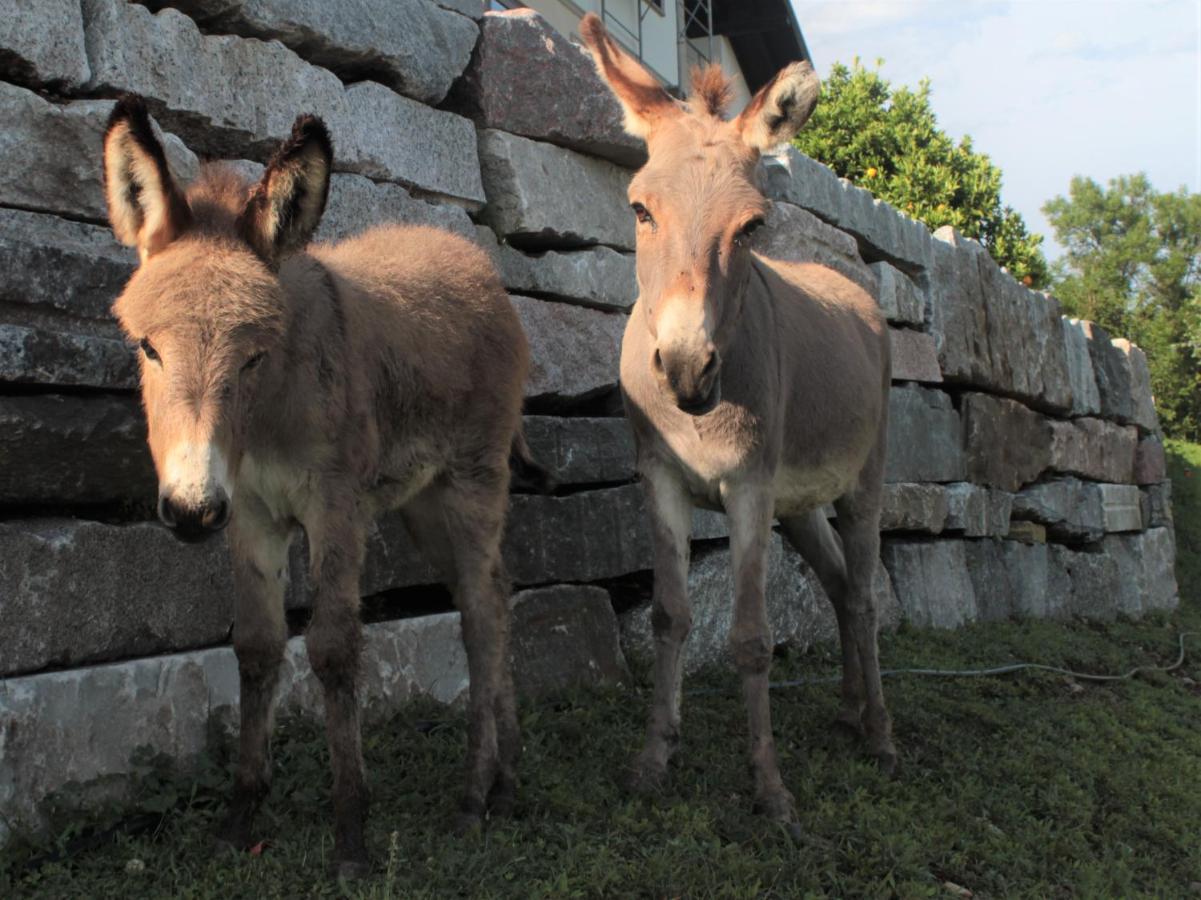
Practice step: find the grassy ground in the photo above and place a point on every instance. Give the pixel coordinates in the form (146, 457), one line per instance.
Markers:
(1029, 786)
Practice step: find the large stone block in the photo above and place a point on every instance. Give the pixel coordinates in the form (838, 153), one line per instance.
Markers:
(58, 265)
(1146, 566)
(1121, 507)
(1157, 505)
(796, 178)
(1092, 581)
(901, 300)
(1142, 404)
(413, 46)
(67, 449)
(42, 43)
(1093, 448)
(526, 78)
(1123, 379)
(582, 450)
(1012, 578)
(233, 97)
(924, 437)
(50, 154)
(957, 309)
(32, 355)
(914, 356)
(792, 234)
(1070, 508)
(357, 203)
(1086, 397)
(931, 581)
(540, 195)
(575, 352)
(1007, 445)
(597, 276)
(1150, 461)
(914, 507)
(977, 511)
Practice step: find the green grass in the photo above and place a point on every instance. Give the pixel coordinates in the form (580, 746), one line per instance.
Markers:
(1027, 786)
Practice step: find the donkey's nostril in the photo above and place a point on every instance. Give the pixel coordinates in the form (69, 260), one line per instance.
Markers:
(216, 516)
(166, 511)
(657, 361)
(710, 364)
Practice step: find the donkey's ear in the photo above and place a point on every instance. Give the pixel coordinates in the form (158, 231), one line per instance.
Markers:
(145, 207)
(641, 96)
(781, 107)
(285, 207)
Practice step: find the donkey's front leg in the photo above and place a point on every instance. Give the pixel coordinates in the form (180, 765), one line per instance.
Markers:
(749, 509)
(334, 642)
(259, 552)
(671, 527)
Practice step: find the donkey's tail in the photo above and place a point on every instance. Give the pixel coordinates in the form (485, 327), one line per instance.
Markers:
(528, 475)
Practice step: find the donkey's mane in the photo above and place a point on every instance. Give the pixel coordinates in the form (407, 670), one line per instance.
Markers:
(712, 88)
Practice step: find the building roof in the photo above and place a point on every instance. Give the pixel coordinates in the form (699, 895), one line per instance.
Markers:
(764, 34)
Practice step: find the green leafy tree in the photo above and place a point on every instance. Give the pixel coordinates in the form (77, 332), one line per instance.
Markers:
(1133, 265)
(888, 141)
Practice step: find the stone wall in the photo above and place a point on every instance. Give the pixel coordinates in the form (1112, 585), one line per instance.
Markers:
(1025, 470)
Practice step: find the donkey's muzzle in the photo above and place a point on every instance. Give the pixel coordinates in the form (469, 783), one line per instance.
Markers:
(696, 388)
(190, 522)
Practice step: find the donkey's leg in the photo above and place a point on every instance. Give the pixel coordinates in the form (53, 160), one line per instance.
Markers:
(814, 538)
(259, 552)
(749, 509)
(859, 525)
(474, 519)
(671, 527)
(334, 642)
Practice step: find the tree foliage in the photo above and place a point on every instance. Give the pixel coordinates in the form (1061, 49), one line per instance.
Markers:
(888, 141)
(1133, 265)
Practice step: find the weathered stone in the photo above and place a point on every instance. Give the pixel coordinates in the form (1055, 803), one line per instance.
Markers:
(526, 78)
(31, 355)
(471, 8)
(540, 195)
(1093, 448)
(1092, 579)
(793, 234)
(931, 581)
(796, 178)
(1142, 404)
(1086, 398)
(1146, 570)
(60, 265)
(74, 592)
(914, 356)
(564, 635)
(42, 43)
(1027, 532)
(1157, 505)
(1017, 578)
(1150, 461)
(1121, 507)
(581, 450)
(977, 511)
(1070, 508)
(1123, 379)
(574, 352)
(253, 90)
(50, 154)
(924, 437)
(957, 309)
(988, 571)
(413, 46)
(914, 507)
(898, 296)
(597, 276)
(67, 449)
(357, 203)
(1007, 444)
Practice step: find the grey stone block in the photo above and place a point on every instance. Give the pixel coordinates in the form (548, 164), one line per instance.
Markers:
(540, 195)
(61, 449)
(914, 507)
(1095, 449)
(1150, 461)
(1157, 505)
(796, 178)
(528, 79)
(792, 234)
(957, 309)
(42, 43)
(357, 203)
(1146, 570)
(924, 437)
(931, 580)
(1092, 579)
(1086, 397)
(582, 450)
(914, 356)
(1007, 445)
(597, 276)
(33, 355)
(977, 511)
(1121, 507)
(903, 303)
(574, 352)
(1070, 508)
(1123, 380)
(1017, 579)
(415, 47)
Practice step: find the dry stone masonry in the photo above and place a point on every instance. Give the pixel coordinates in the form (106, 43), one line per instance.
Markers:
(1025, 474)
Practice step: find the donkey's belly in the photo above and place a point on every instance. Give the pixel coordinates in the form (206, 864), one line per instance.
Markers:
(798, 490)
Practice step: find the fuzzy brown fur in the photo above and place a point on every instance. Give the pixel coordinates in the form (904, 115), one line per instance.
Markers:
(313, 390)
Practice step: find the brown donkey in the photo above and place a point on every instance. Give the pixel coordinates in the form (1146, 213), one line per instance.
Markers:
(755, 387)
(315, 386)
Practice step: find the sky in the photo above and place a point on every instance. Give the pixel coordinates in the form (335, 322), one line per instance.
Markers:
(1049, 89)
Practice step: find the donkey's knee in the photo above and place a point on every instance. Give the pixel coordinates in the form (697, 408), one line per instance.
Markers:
(334, 643)
(751, 654)
(672, 624)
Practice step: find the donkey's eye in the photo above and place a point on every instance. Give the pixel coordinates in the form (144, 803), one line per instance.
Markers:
(643, 214)
(253, 361)
(148, 349)
(747, 230)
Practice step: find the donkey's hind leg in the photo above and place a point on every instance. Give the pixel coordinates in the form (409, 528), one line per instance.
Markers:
(259, 552)
(814, 538)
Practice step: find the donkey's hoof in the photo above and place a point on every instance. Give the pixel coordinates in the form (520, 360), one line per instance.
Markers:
(779, 807)
(888, 762)
(502, 799)
(468, 823)
(847, 726)
(646, 779)
(351, 869)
